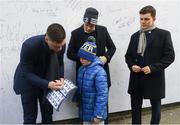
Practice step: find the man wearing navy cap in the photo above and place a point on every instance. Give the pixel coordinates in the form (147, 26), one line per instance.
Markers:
(105, 45)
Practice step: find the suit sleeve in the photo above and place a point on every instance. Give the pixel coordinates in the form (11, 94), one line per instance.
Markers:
(111, 48)
(72, 52)
(168, 55)
(27, 66)
(61, 61)
(101, 94)
(129, 54)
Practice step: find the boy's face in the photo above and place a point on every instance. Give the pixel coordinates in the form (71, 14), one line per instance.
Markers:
(89, 28)
(84, 61)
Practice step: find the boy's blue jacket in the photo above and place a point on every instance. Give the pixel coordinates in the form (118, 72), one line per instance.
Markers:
(92, 91)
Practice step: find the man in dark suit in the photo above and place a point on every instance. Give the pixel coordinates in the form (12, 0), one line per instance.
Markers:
(150, 51)
(105, 45)
(41, 68)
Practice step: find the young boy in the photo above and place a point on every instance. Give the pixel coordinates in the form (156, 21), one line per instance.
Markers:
(92, 86)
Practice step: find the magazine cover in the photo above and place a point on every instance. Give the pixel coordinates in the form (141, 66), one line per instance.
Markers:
(56, 97)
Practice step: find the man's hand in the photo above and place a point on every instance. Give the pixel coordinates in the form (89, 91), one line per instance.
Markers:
(103, 59)
(146, 70)
(136, 68)
(96, 121)
(62, 80)
(56, 85)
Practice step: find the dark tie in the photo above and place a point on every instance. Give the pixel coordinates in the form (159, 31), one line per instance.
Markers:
(53, 69)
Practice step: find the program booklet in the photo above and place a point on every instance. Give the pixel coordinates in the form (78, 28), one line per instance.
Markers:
(56, 97)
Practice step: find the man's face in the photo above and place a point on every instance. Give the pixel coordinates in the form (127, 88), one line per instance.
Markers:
(56, 46)
(89, 28)
(146, 20)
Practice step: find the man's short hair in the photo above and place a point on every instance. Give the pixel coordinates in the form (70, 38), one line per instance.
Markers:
(56, 32)
(148, 9)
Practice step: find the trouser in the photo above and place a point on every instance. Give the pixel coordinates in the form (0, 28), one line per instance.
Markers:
(30, 107)
(136, 106)
(106, 121)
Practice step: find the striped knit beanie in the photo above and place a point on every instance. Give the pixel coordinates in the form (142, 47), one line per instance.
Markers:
(91, 16)
(88, 50)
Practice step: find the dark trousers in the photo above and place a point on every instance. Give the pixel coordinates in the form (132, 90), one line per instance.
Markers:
(136, 106)
(106, 121)
(30, 107)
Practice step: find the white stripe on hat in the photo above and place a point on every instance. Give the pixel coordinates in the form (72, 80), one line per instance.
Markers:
(93, 21)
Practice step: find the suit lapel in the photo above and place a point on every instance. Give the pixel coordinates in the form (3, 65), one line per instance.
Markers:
(97, 37)
(136, 42)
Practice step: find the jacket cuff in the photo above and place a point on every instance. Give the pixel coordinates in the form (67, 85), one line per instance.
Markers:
(152, 68)
(45, 85)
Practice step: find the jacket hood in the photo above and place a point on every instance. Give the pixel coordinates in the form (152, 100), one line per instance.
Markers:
(95, 62)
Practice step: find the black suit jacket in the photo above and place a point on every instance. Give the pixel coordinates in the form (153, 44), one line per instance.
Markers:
(105, 46)
(32, 68)
(159, 54)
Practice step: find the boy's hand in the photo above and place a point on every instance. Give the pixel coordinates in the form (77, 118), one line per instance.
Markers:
(96, 121)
